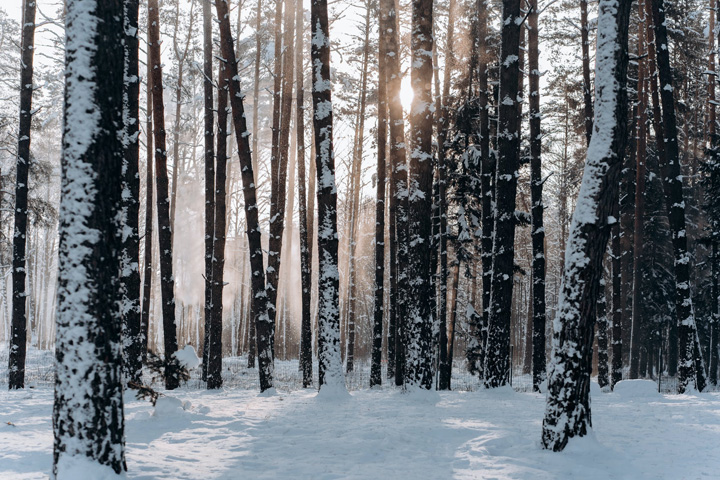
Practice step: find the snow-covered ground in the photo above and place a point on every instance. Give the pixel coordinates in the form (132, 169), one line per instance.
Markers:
(383, 434)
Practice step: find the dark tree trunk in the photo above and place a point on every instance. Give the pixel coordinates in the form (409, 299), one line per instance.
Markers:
(445, 362)
(330, 363)
(18, 334)
(567, 413)
(587, 88)
(209, 124)
(497, 362)
(617, 364)
(305, 257)
(382, 134)
(536, 193)
(130, 273)
(259, 305)
(690, 364)
(714, 325)
(214, 372)
(88, 409)
(148, 236)
(602, 335)
(167, 282)
(398, 199)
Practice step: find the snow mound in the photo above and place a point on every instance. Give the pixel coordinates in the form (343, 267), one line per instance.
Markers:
(333, 394)
(168, 406)
(270, 392)
(78, 467)
(421, 395)
(630, 389)
(595, 388)
(187, 357)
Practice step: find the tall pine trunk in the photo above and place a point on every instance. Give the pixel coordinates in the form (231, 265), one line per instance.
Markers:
(330, 363)
(88, 421)
(259, 306)
(536, 193)
(497, 362)
(167, 282)
(18, 334)
(690, 366)
(130, 273)
(148, 235)
(567, 412)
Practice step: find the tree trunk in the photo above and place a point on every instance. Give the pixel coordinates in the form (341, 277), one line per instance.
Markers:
(567, 413)
(690, 364)
(130, 273)
(536, 193)
(88, 409)
(167, 282)
(330, 363)
(602, 335)
(445, 362)
(305, 257)
(587, 88)
(209, 121)
(148, 236)
(214, 372)
(497, 362)
(382, 133)
(18, 334)
(259, 305)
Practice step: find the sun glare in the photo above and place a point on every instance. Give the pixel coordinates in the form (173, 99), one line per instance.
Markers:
(406, 94)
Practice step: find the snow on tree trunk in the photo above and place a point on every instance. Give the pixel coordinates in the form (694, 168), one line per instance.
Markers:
(130, 270)
(536, 193)
(419, 312)
(567, 413)
(148, 234)
(259, 305)
(18, 334)
(330, 362)
(602, 335)
(690, 366)
(497, 360)
(88, 419)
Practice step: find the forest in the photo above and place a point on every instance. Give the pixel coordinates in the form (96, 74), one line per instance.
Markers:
(318, 238)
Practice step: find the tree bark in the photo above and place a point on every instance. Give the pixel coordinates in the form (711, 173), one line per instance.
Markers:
(536, 193)
(167, 282)
(587, 92)
(497, 362)
(209, 120)
(130, 273)
(88, 418)
(148, 236)
(330, 363)
(18, 334)
(567, 413)
(260, 308)
(690, 362)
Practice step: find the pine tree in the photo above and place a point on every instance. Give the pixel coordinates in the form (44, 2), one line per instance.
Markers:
(259, 305)
(88, 410)
(567, 413)
(18, 334)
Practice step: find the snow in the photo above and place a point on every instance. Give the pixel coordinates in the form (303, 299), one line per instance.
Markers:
(79, 467)
(636, 389)
(187, 357)
(379, 433)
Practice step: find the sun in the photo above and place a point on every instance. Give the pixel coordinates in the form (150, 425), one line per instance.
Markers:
(406, 94)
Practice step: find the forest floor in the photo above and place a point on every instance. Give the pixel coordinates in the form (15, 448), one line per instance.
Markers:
(383, 434)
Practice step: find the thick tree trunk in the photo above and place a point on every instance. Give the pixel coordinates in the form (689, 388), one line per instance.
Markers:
(497, 362)
(330, 363)
(130, 273)
(690, 362)
(209, 124)
(567, 413)
(259, 305)
(18, 334)
(214, 372)
(382, 134)
(167, 282)
(602, 335)
(88, 419)
(536, 193)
